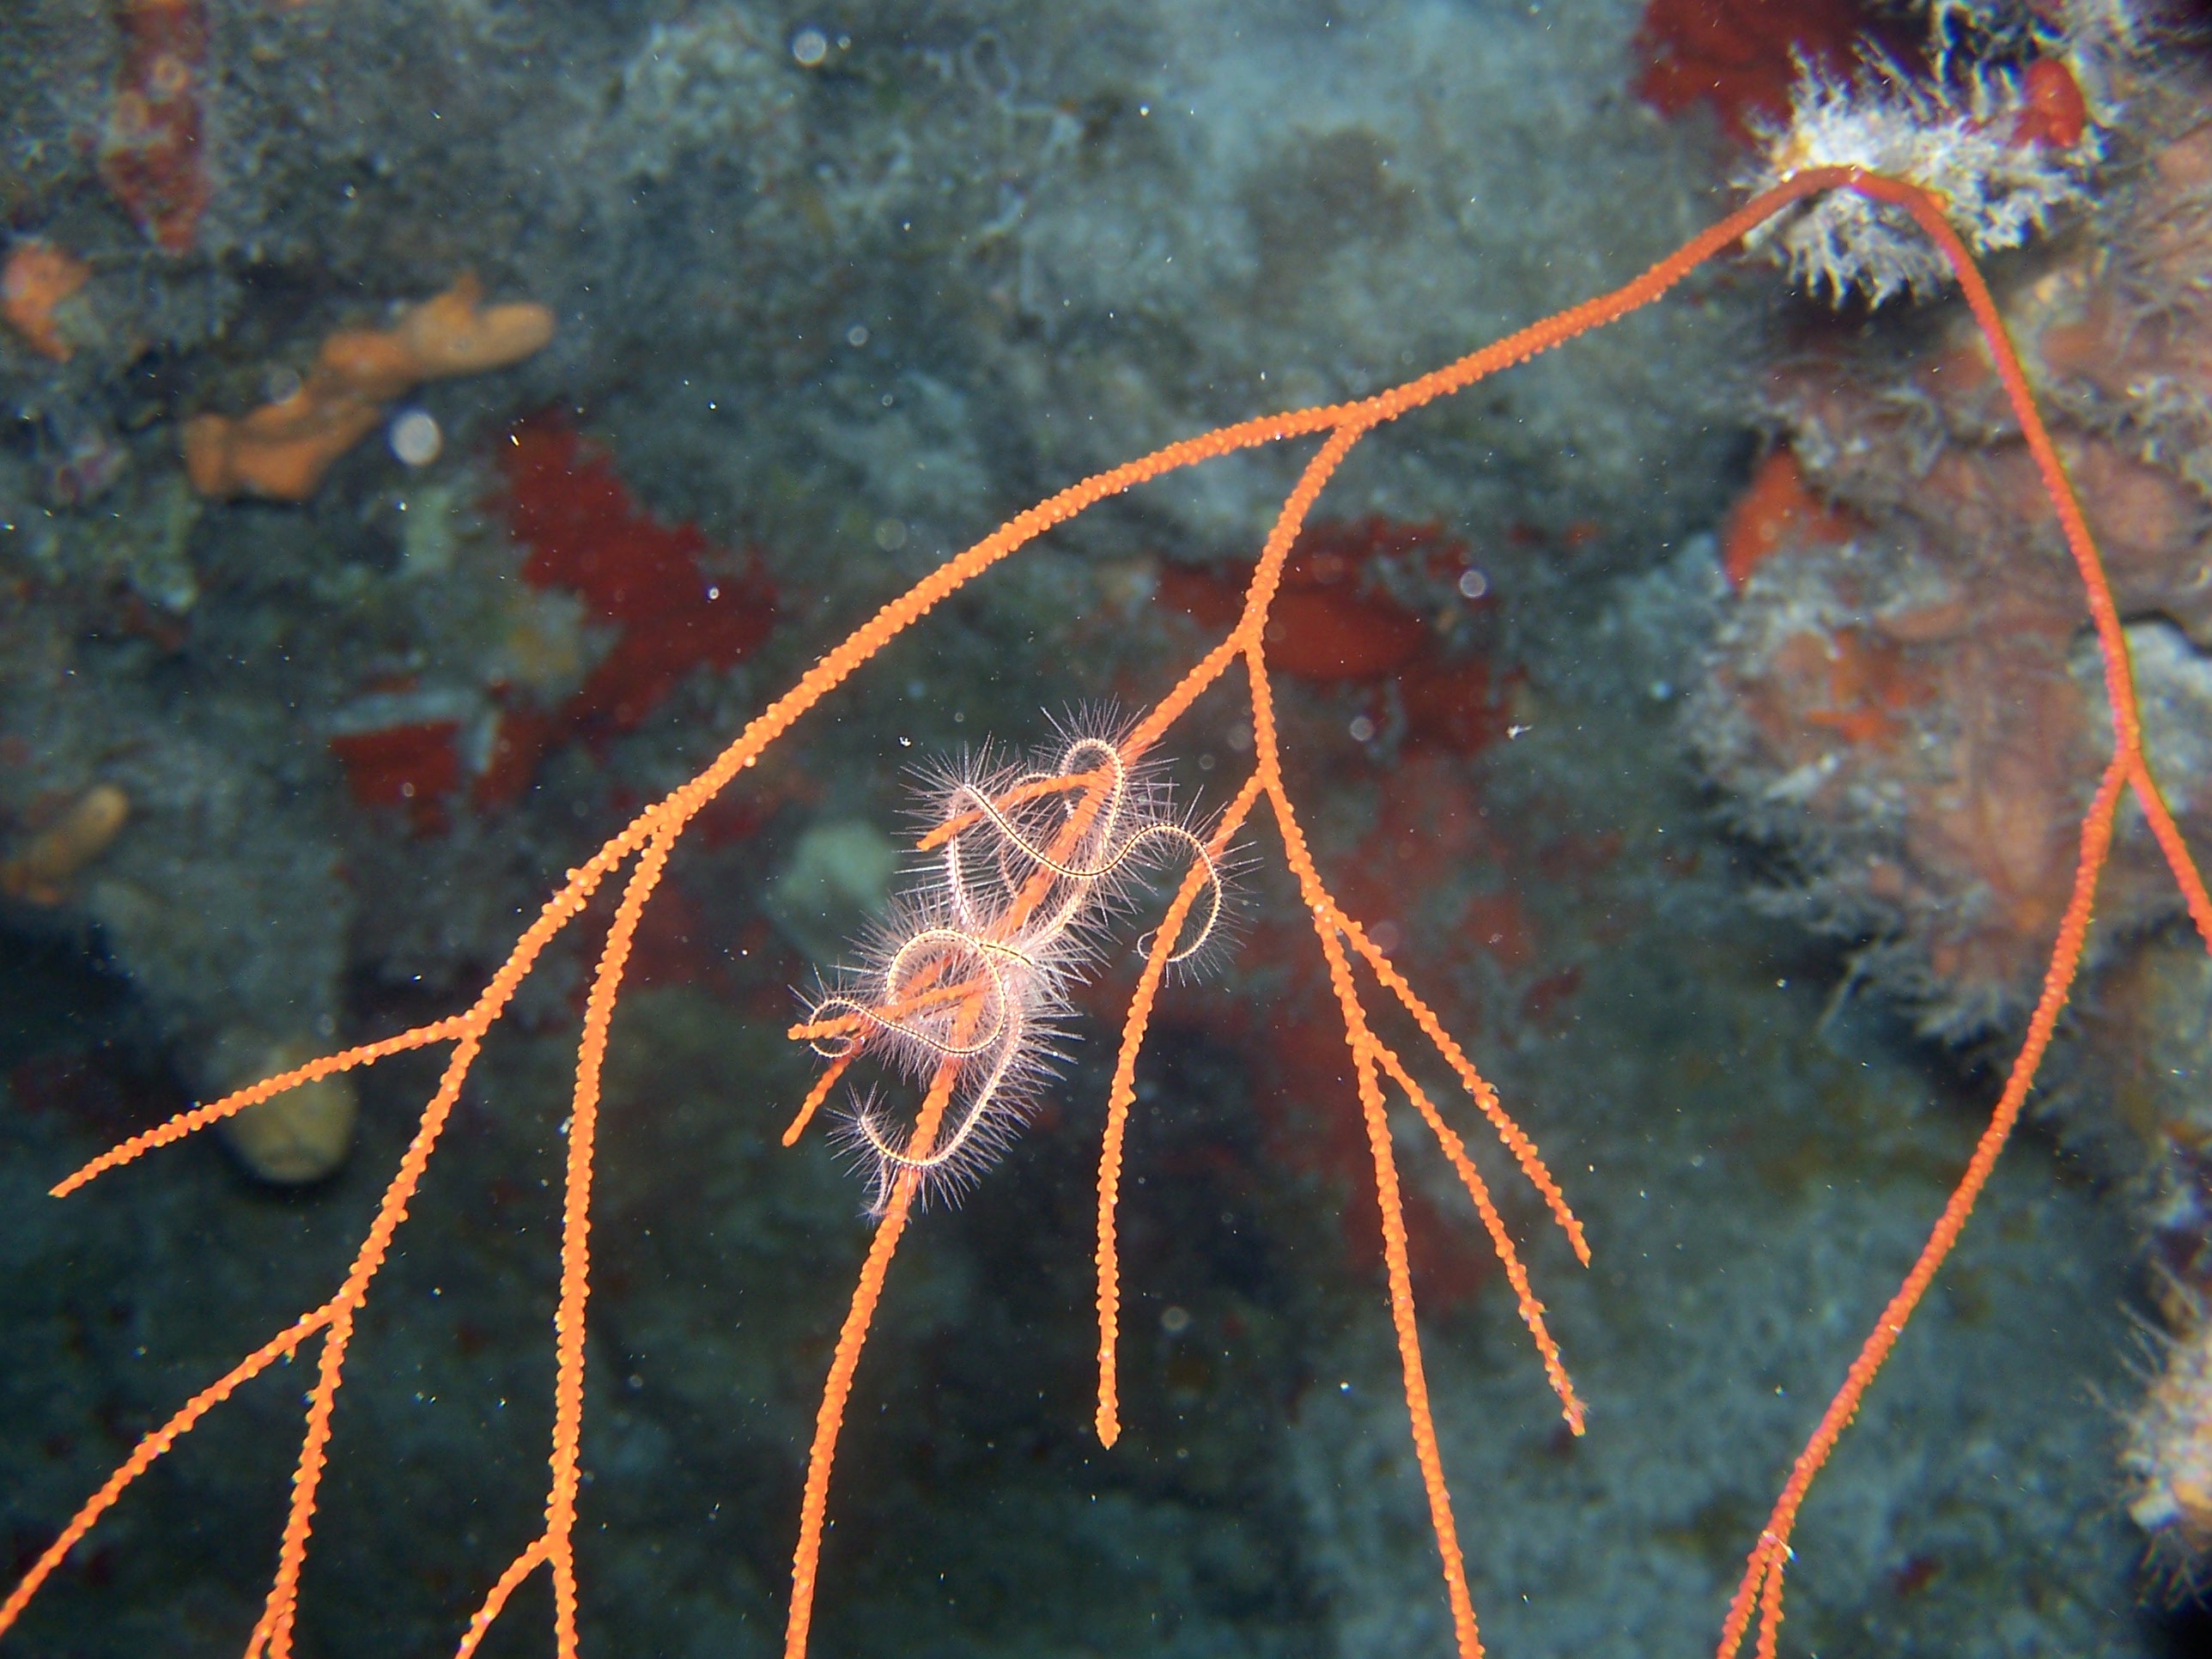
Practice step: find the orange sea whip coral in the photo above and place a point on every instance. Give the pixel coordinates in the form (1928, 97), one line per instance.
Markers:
(650, 837)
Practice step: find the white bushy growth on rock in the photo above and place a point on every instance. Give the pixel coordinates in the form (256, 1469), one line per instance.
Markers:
(1959, 145)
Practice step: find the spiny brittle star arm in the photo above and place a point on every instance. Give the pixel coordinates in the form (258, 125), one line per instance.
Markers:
(920, 1160)
(1115, 857)
(895, 1014)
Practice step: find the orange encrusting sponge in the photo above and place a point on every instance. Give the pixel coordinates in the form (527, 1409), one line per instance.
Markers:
(281, 451)
(1776, 510)
(37, 282)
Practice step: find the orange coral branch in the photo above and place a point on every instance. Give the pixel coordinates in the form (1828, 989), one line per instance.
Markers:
(1763, 1575)
(1122, 1094)
(238, 1100)
(1478, 1189)
(273, 1634)
(820, 1092)
(829, 1417)
(358, 368)
(1516, 1142)
(2129, 768)
(143, 1455)
(556, 1544)
(1366, 1052)
(494, 1603)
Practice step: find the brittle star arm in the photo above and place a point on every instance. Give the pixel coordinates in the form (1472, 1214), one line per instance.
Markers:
(973, 1113)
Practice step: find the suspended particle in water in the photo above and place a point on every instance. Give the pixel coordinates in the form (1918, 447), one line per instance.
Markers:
(415, 437)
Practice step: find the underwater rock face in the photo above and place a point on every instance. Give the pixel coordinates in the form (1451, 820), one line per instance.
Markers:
(1897, 695)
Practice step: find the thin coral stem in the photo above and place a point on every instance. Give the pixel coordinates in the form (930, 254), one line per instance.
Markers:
(1398, 1272)
(1397, 1265)
(533, 1555)
(272, 1632)
(1764, 1573)
(1035, 789)
(1548, 333)
(1770, 1555)
(2097, 591)
(555, 1545)
(566, 904)
(1267, 576)
(2167, 834)
(238, 1100)
(837, 1388)
(819, 1093)
(1396, 1259)
(281, 1609)
(1770, 1599)
(1122, 1094)
(1509, 1254)
(1516, 1139)
(151, 1448)
(575, 1237)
